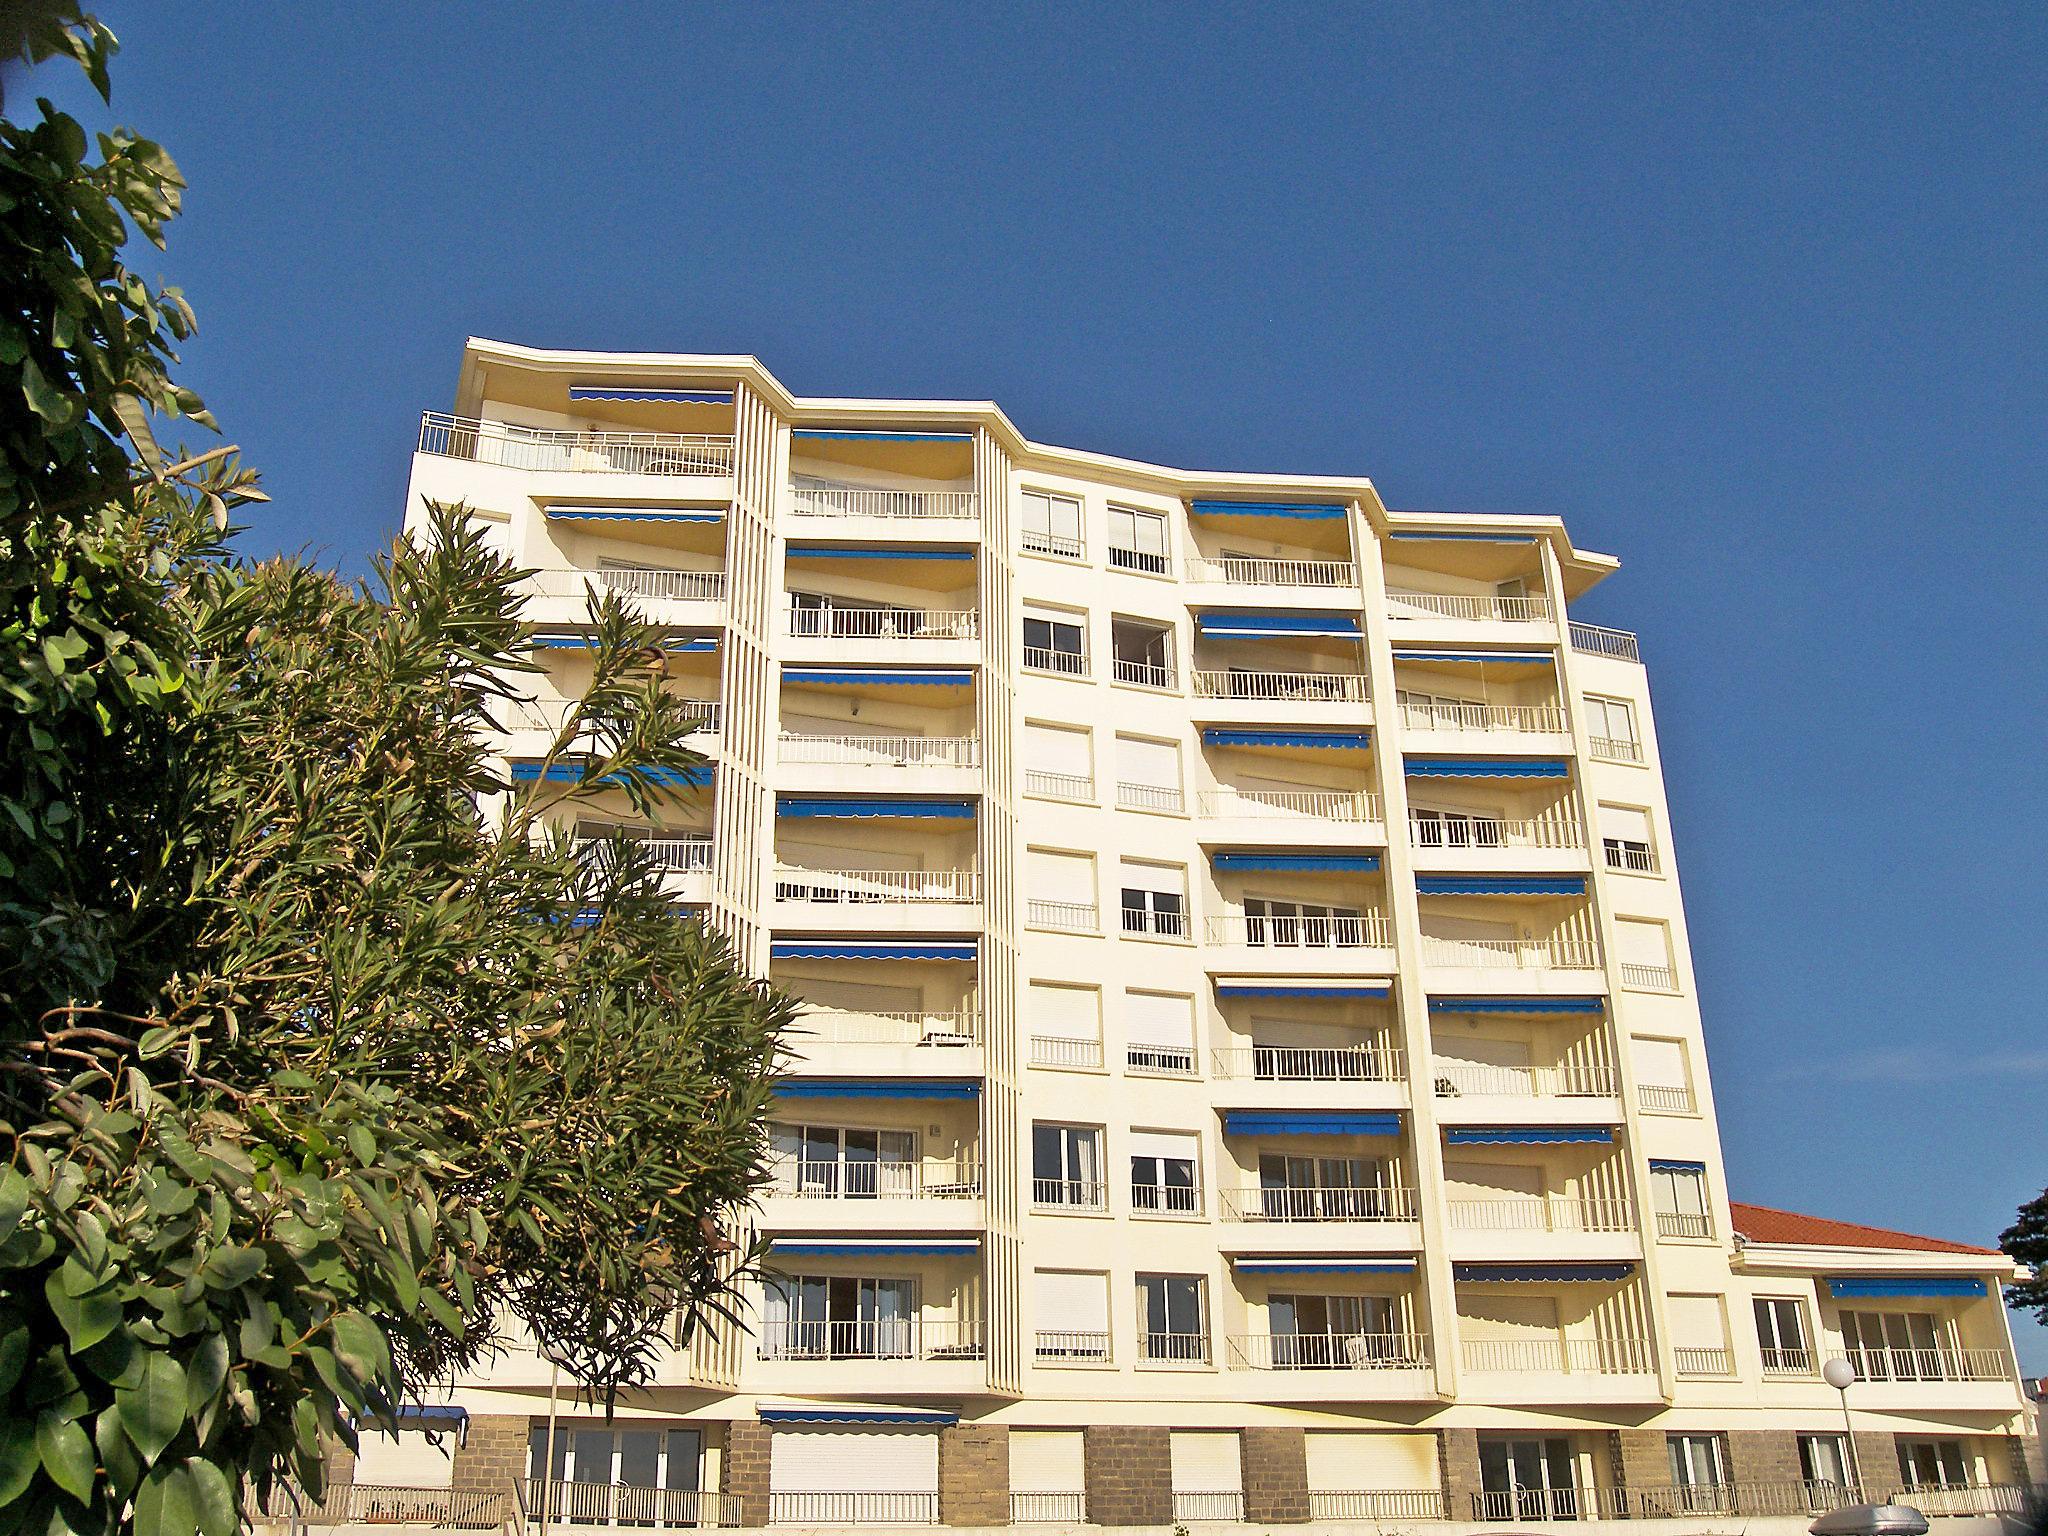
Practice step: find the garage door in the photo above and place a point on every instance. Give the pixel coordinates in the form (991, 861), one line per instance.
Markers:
(865, 1476)
(1372, 1475)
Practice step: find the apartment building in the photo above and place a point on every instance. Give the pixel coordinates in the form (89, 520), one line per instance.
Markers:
(1252, 1069)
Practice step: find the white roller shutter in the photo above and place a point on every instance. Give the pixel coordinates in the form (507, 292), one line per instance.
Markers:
(1205, 1461)
(1659, 1063)
(1696, 1322)
(411, 1458)
(1058, 749)
(1507, 1317)
(1639, 942)
(1176, 1144)
(859, 996)
(1139, 875)
(854, 1461)
(1625, 822)
(1063, 1013)
(1070, 1302)
(1068, 877)
(1047, 1461)
(1356, 1460)
(1155, 764)
(1472, 1050)
(1491, 1181)
(1152, 1018)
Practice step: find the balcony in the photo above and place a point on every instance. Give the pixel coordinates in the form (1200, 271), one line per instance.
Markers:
(1557, 1357)
(2021, 1499)
(1170, 1349)
(1044, 782)
(1924, 1365)
(1251, 696)
(1059, 660)
(860, 761)
(1049, 1508)
(531, 726)
(847, 1026)
(508, 445)
(878, 899)
(1275, 580)
(1468, 607)
(1068, 1346)
(1381, 1506)
(810, 498)
(1502, 723)
(1617, 644)
(1233, 815)
(1062, 1053)
(1159, 1060)
(1531, 955)
(1158, 799)
(1638, 977)
(1308, 1064)
(1318, 1204)
(886, 1355)
(864, 1182)
(1268, 944)
(1543, 1213)
(1545, 1504)
(1470, 1079)
(856, 633)
(1791, 1498)
(1703, 1361)
(827, 1509)
(684, 860)
(1664, 1099)
(1062, 916)
(663, 595)
(1329, 1352)
(1056, 1195)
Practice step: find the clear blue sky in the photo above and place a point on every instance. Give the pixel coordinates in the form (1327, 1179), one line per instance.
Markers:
(1753, 296)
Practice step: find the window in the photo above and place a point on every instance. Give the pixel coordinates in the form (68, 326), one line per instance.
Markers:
(1059, 761)
(1697, 1472)
(1824, 1463)
(1699, 1336)
(1137, 540)
(1159, 1033)
(1643, 951)
(1678, 1193)
(1173, 1319)
(1205, 1469)
(1527, 1478)
(1052, 524)
(1141, 653)
(1611, 724)
(1059, 890)
(843, 1162)
(1066, 1166)
(1054, 644)
(633, 1458)
(1320, 1332)
(1164, 1168)
(1065, 1024)
(1299, 1187)
(1155, 899)
(1930, 1464)
(1457, 829)
(1148, 775)
(816, 614)
(1301, 925)
(838, 1317)
(1073, 1316)
(1625, 839)
(1663, 1083)
(1781, 1336)
(1898, 1346)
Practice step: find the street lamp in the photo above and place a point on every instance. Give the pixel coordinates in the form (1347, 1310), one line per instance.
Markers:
(1839, 1374)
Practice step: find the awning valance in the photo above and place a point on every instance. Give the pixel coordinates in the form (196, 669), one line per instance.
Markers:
(1500, 885)
(1334, 863)
(1487, 768)
(846, 808)
(1518, 1005)
(1313, 511)
(881, 1417)
(1241, 736)
(1528, 1136)
(872, 949)
(1477, 658)
(532, 771)
(568, 640)
(1231, 625)
(1675, 1165)
(879, 677)
(633, 392)
(1283, 1122)
(1875, 1287)
(634, 515)
(1248, 989)
(877, 1088)
(1333, 1265)
(873, 1247)
(1541, 1274)
(876, 552)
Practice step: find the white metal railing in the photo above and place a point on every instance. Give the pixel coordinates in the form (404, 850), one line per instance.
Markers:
(1649, 978)
(671, 586)
(1615, 749)
(1319, 1203)
(1702, 1360)
(1145, 674)
(887, 1338)
(1174, 1348)
(1440, 715)
(1207, 1504)
(1148, 561)
(888, 886)
(1596, 1357)
(1367, 930)
(1070, 1194)
(1042, 658)
(1592, 638)
(1150, 797)
(1566, 1503)
(1814, 1497)
(1379, 1504)
(1072, 1345)
(1058, 786)
(1483, 1080)
(882, 751)
(1067, 916)
(1512, 954)
(1280, 687)
(570, 1503)
(1684, 1224)
(1308, 1063)
(1059, 1051)
(1048, 1508)
(390, 1504)
(1170, 1199)
(1665, 1098)
(1630, 857)
(1247, 571)
(863, 1508)
(1928, 1364)
(1795, 1361)
(550, 714)
(849, 1179)
(678, 855)
(1483, 606)
(1493, 832)
(1165, 925)
(883, 623)
(827, 500)
(1039, 541)
(1328, 1352)
(624, 453)
(1351, 806)
(1160, 1060)
(1975, 1499)
(1543, 1213)
(856, 1026)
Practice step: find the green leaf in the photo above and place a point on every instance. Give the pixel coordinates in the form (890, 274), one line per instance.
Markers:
(117, 1455)
(13, 1200)
(45, 400)
(153, 1410)
(134, 418)
(166, 1504)
(228, 1267)
(359, 1345)
(85, 1319)
(362, 1143)
(18, 1458)
(205, 1372)
(66, 1452)
(213, 1496)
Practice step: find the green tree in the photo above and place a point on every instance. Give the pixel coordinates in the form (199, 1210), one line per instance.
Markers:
(323, 1061)
(2026, 1242)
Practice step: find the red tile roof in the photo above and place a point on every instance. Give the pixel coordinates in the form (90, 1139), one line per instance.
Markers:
(1763, 1224)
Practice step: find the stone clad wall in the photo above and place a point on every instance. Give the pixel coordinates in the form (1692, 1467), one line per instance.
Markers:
(1130, 1474)
(743, 1470)
(974, 1474)
(492, 1454)
(1275, 1462)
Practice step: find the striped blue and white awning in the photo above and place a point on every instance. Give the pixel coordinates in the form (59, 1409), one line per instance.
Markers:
(637, 392)
(878, 677)
(1882, 1287)
(1287, 1122)
(873, 949)
(1487, 768)
(1518, 1005)
(883, 1418)
(533, 771)
(1477, 658)
(1330, 863)
(1541, 1274)
(1500, 885)
(877, 1088)
(1332, 1265)
(1231, 625)
(876, 552)
(850, 808)
(582, 514)
(1253, 736)
(1300, 511)
(1331, 989)
(1528, 1136)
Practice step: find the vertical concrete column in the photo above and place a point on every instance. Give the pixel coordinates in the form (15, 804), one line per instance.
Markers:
(492, 1453)
(1457, 1457)
(743, 1471)
(974, 1474)
(1274, 1459)
(1130, 1474)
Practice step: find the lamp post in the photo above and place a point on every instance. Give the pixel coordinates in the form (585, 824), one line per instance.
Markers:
(1839, 1374)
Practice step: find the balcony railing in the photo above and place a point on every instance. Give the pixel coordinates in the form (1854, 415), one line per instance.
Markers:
(1703, 1360)
(1528, 719)
(550, 715)
(1684, 1224)
(677, 855)
(1512, 954)
(863, 1508)
(1481, 1080)
(882, 751)
(1328, 1352)
(1241, 571)
(1550, 1357)
(808, 500)
(1790, 1498)
(1048, 1508)
(1150, 562)
(1543, 1213)
(1065, 916)
(1618, 643)
(883, 623)
(1379, 1504)
(1207, 1504)
(1551, 1504)
(1041, 541)
(1316, 1203)
(624, 1504)
(1481, 606)
(1161, 925)
(1041, 658)
(671, 586)
(1068, 1346)
(1664, 1098)
(880, 886)
(1631, 858)
(904, 1338)
(1059, 1051)
(844, 1179)
(855, 1026)
(1280, 687)
(1615, 749)
(392, 1504)
(1174, 1348)
(1150, 797)
(1160, 1060)
(1308, 1063)
(1979, 1499)
(619, 453)
(1352, 807)
(1367, 930)
(1058, 786)
(1928, 1364)
(1789, 1362)
(1647, 978)
(1144, 674)
(1070, 1194)
(1493, 832)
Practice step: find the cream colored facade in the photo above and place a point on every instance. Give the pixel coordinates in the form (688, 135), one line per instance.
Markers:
(1250, 983)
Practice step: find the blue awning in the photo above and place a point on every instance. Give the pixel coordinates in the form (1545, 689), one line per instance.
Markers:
(870, 1247)
(1878, 1286)
(1315, 511)
(879, 677)
(565, 640)
(1239, 736)
(1434, 537)
(799, 807)
(416, 1416)
(872, 949)
(1488, 768)
(1308, 989)
(1516, 1005)
(1283, 1122)
(1266, 626)
(1329, 1266)
(928, 1417)
(876, 552)
(862, 435)
(1500, 885)
(674, 396)
(1540, 1274)
(634, 515)
(532, 771)
(1528, 1135)
(1355, 863)
(1478, 658)
(1675, 1165)
(877, 1088)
